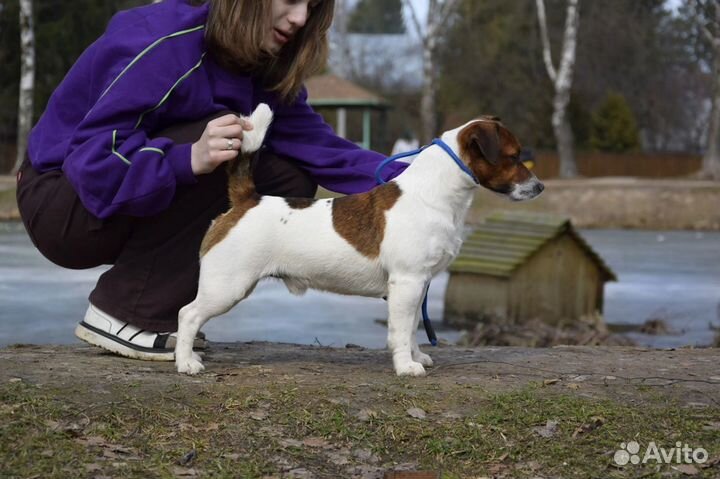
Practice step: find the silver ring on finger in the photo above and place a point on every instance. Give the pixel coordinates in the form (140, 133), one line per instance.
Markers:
(230, 144)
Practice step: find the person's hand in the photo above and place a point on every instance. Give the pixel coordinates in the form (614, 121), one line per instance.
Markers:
(220, 142)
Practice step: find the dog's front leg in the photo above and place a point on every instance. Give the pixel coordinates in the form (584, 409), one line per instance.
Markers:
(404, 299)
(418, 355)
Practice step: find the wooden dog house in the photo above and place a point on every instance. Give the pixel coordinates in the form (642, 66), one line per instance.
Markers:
(521, 266)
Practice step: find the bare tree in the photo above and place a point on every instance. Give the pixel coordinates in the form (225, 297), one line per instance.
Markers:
(438, 13)
(708, 18)
(562, 82)
(27, 80)
(340, 40)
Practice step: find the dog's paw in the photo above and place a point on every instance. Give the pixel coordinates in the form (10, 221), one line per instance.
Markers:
(410, 369)
(423, 359)
(191, 365)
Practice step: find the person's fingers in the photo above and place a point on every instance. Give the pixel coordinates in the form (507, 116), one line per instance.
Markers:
(246, 124)
(230, 131)
(225, 120)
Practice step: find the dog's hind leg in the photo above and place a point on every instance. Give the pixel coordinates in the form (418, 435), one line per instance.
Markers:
(212, 300)
(404, 300)
(190, 319)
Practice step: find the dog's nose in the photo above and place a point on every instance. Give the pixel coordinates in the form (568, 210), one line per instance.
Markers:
(539, 188)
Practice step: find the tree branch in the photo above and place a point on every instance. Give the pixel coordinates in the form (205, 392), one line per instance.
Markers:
(547, 52)
(446, 9)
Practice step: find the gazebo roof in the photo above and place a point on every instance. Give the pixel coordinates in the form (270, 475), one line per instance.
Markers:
(333, 91)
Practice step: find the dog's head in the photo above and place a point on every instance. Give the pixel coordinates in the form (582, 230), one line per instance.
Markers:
(492, 153)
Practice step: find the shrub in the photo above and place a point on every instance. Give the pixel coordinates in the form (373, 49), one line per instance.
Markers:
(613, 127)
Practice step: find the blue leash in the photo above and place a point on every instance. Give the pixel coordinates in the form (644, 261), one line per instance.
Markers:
(437, 141)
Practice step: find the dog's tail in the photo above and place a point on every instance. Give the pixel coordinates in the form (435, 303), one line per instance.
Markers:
(240, 181)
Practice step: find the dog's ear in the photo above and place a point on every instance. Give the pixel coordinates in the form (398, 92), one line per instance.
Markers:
(485, 137)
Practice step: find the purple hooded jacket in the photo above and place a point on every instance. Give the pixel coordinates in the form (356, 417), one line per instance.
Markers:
(148, 71)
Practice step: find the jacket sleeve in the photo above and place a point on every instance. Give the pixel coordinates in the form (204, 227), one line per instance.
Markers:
(335, 163)
(112, 163)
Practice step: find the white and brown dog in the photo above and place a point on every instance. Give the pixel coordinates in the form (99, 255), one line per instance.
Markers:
(386, 243)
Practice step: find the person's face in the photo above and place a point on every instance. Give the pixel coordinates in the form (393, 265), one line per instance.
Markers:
(288, 16)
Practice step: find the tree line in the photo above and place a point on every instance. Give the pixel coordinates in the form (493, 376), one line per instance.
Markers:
(642, 77)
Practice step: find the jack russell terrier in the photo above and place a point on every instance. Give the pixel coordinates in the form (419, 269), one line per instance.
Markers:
(386, 243)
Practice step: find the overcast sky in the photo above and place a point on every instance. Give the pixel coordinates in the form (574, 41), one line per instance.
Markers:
(421, 8)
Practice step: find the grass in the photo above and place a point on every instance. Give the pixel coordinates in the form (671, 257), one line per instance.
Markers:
(134, 430)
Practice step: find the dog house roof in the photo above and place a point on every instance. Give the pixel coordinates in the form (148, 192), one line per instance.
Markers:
(506, 240)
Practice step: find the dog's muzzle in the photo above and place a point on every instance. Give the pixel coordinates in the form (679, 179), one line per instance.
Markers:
(527, 190)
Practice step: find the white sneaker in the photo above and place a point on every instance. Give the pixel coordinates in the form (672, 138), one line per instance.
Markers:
(100, 329)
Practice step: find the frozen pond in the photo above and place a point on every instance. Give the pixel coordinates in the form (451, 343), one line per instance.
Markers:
(673, 276)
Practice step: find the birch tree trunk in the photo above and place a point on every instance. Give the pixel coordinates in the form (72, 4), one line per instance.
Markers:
(562, 82)
(711, 159)
(341, 40)
(438, 13)
(27, 80)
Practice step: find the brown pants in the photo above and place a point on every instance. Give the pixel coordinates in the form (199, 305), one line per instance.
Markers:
(155, 260)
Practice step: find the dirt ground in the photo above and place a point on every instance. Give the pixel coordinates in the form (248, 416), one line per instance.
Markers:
(277, 410)
(265, 410)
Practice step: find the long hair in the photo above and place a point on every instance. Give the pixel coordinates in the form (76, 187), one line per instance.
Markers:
(234, 36)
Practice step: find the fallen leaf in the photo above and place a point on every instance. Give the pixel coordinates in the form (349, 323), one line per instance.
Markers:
(550, 382)
(339, 458)
(687, 469)
(259, 415)
(711, 463)
(282, 462)
(595, 422)
(232, 456)
(573, 386)
(300, 473)
(94, 467)
(315, 442)
(291, 443)
(548, 430)
(417, 413)
(366, 414)
(184, 472)
(365, 455)
(213, 426)
(92, 441)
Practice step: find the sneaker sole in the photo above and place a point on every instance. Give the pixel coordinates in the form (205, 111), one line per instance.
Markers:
(109, 342)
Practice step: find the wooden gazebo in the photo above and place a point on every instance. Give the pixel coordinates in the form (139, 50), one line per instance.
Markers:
(330, 92)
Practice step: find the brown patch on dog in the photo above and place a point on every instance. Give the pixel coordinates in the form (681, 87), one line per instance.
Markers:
(492, 154)
(224, 223)
(300, 203)
(360, 219)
